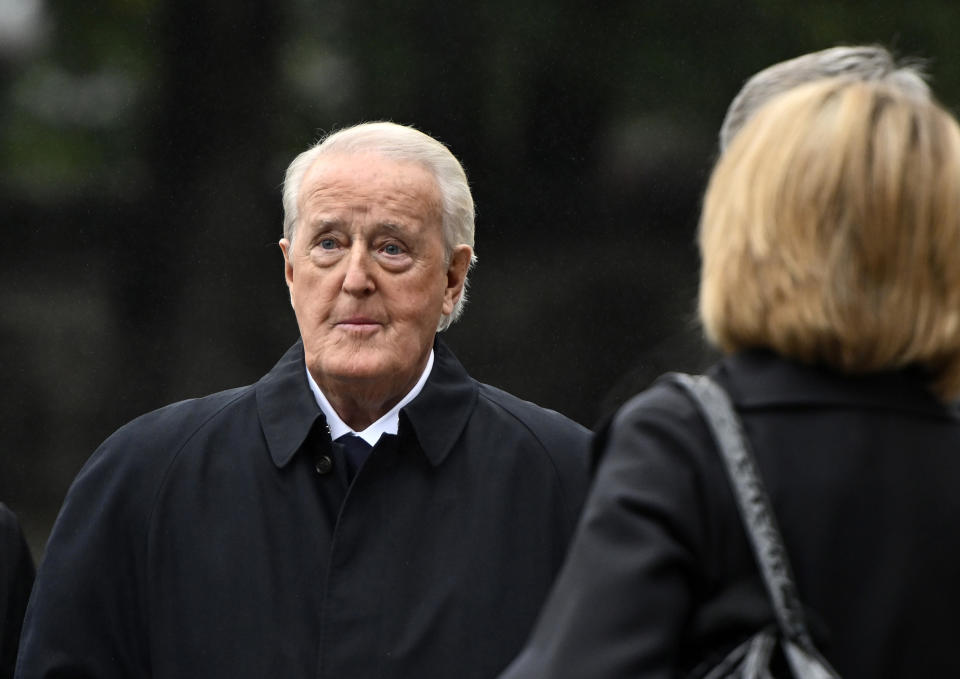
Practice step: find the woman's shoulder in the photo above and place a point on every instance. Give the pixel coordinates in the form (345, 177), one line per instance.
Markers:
(662, 413)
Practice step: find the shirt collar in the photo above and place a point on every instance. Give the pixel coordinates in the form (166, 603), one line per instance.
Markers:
(387, 424)
(433, 421)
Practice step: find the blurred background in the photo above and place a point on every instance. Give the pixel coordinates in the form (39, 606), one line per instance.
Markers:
(143, 143)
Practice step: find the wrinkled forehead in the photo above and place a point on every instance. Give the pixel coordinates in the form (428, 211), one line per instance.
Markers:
(369, 172)
(370, 183)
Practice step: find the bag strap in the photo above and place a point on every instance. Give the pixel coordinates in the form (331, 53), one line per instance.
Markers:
(753, 502)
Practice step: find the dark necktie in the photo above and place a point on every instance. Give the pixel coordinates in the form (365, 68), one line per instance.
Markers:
(355, 452)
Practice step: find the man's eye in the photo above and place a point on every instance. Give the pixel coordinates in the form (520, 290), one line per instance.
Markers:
(392, 249)
(327, 244)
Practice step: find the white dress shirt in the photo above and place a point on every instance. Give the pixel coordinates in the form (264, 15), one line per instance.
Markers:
(387, 424)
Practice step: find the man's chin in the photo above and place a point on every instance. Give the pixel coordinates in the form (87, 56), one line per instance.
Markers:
(357, 367)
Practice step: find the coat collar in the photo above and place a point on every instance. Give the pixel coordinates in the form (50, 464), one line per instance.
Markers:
(434, 419)
(760, 379)
(288, 411)
(439, 414)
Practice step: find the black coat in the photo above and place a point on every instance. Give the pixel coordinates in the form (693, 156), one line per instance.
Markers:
(211, 539)
(864, 476)
(16, 578)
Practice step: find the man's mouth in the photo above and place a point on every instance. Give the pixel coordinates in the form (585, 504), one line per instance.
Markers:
(358, 324)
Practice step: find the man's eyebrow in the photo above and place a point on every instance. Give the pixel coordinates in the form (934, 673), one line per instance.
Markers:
(393, 228)
(320, 223)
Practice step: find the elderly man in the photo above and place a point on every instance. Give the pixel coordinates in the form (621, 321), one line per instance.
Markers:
(365, 510)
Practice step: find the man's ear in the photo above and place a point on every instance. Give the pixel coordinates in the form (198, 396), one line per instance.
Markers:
(456, 275)
(287, 265)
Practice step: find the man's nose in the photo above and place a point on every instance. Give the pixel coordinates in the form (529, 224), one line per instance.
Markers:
(357, 279)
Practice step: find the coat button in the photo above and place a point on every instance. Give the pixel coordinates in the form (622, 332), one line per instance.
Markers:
(324, 464)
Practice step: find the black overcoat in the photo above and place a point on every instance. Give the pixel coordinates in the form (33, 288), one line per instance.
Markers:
(214, 538)
(864, 476)
(16, 578)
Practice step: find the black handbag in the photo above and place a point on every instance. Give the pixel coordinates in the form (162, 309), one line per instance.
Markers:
(753, 659)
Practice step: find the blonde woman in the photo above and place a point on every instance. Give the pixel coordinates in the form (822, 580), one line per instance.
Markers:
(830, 244)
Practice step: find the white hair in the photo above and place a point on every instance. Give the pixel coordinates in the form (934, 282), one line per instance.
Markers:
(864, 62)
(404, 144)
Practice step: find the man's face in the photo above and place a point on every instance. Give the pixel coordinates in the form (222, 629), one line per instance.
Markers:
(368, 274)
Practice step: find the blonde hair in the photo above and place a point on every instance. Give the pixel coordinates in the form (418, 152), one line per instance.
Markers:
(856, 62)
(830, 232)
